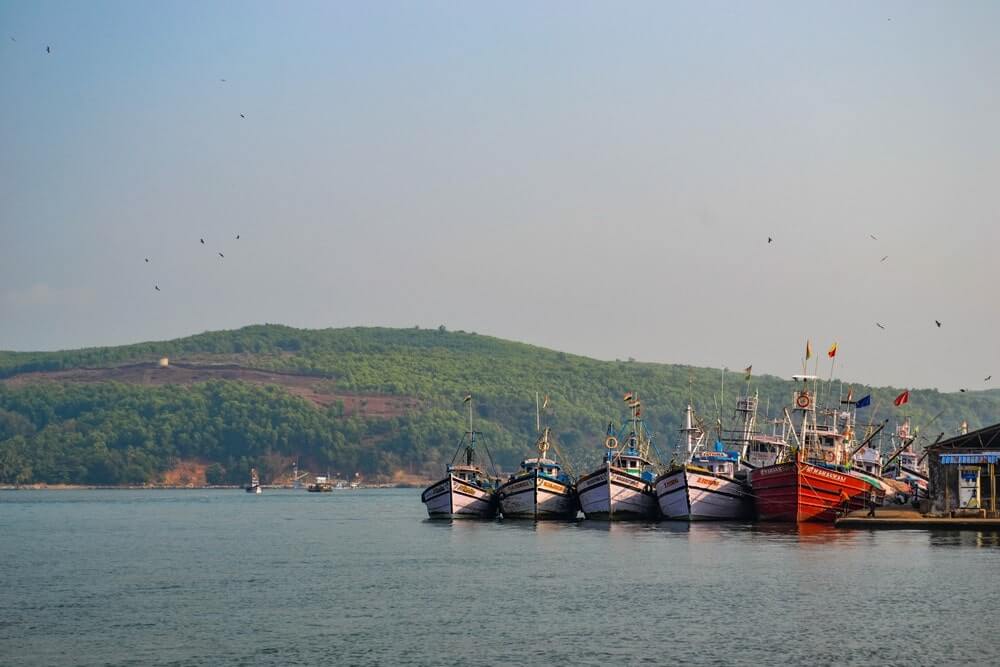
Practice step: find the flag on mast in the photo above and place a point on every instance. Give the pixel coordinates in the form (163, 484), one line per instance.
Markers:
(545, 402)
(864, 402)
(748, 370)
(627, 397)
(468, 397)
(832, 352)
(809, 350)
(902, 399)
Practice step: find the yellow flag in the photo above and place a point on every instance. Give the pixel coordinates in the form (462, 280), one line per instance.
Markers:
(809, 350)
(832, 352)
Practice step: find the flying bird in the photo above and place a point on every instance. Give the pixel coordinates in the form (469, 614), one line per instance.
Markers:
(873, 237)
(879, 325)
(147, 260)
(156, 287)
(222, 80)
(987, 378)
(12, 39)
(963, 390)
(237, 237)
(938, 322)
(770, 240)
(48, 49)
(221, 255)
(202, 241)
(242, 116)
(884, 258)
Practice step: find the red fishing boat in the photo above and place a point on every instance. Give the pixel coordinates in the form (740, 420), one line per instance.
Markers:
(816, 483)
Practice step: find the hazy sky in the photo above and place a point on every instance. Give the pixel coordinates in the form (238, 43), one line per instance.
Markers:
(599, 178)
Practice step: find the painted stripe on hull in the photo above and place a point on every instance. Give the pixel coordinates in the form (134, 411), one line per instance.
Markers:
(612, 494)
(694, 496)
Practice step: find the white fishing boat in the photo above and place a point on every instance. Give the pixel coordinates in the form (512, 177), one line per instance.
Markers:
(622, 486)
(541, 490)
(710, 484)
(254, 485)
(467, 492)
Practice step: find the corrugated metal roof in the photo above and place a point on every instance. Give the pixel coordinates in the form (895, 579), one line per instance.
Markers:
(984, 457)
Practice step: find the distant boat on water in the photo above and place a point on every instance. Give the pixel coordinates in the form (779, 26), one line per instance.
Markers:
(321, 484)
(254, 486)
(467, 492)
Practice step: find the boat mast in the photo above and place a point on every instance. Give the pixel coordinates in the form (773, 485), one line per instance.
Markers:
(472, 435)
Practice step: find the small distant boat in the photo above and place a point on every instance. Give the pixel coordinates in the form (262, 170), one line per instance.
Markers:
(254, 486)
(906, 466)
(541, 490)
(710, 484)
(467, 491)
(622, 487)
(321, 484)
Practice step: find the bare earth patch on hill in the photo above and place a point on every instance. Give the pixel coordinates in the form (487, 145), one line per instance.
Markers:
(314, 389)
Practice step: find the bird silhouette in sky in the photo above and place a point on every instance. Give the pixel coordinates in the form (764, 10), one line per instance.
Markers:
(987, 378)
(147, 260)
(938, 322)
(873, 237)
(156, 287)
(963, 390)
(222, 80)
(884, 258)
(48, 49)
(237, 237)
(770, 240)
(12, 39)
(202, 241)
(879, 325)
(242, 116)
(221, 255)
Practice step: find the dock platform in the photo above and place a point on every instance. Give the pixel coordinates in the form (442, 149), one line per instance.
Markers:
(905, 517)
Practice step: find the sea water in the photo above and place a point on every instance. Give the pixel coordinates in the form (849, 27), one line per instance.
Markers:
(222, 577)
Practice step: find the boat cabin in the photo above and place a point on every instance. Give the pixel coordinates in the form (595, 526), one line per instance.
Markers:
(469, 474)
(765, 450)
(630, 460)
(718, 463)
(546, 466)
(868, 460)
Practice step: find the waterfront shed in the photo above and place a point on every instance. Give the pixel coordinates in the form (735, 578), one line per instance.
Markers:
(963, 473)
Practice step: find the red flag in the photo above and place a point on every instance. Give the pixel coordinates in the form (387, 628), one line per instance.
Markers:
(832, 352)
(902, 398)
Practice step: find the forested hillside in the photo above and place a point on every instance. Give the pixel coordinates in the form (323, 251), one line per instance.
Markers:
(327, 404)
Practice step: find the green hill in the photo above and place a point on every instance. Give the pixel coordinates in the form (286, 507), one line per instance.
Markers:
(370, 400)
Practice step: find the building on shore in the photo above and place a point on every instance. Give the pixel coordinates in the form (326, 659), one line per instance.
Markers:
(963, 474)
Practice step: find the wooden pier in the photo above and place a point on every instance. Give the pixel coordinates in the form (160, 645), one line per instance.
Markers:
(905, 517)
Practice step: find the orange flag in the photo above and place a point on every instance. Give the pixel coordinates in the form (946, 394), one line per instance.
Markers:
(832, 352)
(902, 398)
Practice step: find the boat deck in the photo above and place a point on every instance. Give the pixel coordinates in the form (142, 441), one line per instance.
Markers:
(905, 517)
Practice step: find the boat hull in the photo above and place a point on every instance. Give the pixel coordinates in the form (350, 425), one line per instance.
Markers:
(691, 495)
(452, 498)
(535, 496)
(612, 494)
(799, 492)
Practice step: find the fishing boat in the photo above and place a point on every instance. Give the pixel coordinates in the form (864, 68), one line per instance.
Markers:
(906, 466)
(321, 484)
(709, 484)
(816, 484)
(540, 490)
(622, 486)
(466, 492)
(254, 485)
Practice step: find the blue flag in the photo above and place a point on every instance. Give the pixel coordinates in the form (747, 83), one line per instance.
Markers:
(864, 402)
